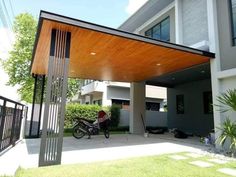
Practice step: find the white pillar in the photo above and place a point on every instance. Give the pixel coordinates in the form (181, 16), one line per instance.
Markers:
(213, 34)
(137, 107)
(178, 22)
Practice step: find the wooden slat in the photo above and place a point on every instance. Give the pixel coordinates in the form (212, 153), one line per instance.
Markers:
(117, 58)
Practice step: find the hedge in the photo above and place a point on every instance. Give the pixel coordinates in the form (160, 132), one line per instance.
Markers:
(115, 115)
(75, 110)
(90, 112)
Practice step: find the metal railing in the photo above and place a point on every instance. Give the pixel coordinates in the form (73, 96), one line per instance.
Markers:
(11, 115)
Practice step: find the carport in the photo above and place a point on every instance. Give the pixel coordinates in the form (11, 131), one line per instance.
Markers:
(67, 47)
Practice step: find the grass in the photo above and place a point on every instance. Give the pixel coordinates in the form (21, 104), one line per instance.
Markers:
(153, 166)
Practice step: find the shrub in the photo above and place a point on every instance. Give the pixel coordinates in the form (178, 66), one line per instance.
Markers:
(115, 115)
(75, 110)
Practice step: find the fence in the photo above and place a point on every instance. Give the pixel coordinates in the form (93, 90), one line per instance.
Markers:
(11, 114)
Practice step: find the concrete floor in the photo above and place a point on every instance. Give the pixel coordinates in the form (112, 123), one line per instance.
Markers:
(25, 153)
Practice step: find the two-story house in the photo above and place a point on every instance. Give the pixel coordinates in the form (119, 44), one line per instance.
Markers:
(208, 25)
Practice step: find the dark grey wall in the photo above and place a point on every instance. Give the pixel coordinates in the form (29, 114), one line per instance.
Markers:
(227, 51)
(195, 26)
(193, 120)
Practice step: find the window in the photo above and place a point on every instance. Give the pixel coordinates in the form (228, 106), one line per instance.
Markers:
(98, 102)
(124, 104)
(233, 19)
(207, 102)
(160, 31)
(180, 104)
(151, 106)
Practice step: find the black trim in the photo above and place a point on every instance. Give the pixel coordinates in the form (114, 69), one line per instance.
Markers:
(232, 23)
(53, 42)
(160, 84)
(9, 100)
(68, 42)
(33, 104)
(41, 103)
(132, 35)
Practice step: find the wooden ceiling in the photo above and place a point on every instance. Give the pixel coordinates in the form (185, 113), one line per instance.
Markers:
(100, 55)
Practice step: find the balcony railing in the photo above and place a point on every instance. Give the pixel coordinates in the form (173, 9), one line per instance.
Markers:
(11, 115)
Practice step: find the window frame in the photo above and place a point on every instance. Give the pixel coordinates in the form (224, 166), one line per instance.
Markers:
(207, 103)
(179, 103)
(159, 23)
(233, 36)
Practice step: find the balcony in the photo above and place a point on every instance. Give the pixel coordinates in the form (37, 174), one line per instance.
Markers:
(95, 86)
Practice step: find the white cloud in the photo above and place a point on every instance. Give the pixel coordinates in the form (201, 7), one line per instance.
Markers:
(134, 5)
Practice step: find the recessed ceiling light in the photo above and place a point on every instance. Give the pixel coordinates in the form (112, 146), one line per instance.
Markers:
(203, 71)
(158, 64)
(92, 53)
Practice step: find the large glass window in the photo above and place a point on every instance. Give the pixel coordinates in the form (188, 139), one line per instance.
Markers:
(233, 16)
(160, 31)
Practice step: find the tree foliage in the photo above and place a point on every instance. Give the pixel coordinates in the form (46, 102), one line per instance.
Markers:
(18, 65)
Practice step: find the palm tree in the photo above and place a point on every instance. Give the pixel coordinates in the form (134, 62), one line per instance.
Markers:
(228, 100)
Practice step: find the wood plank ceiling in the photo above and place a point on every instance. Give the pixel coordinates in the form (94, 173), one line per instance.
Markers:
(102, 56)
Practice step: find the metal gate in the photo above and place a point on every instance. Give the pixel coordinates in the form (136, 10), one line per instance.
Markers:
(11, 115)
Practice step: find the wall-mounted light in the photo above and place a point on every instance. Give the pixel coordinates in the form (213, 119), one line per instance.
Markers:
(203, 71)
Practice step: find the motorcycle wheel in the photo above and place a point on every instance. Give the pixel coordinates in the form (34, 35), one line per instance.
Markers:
(106, 133)
(77, 133)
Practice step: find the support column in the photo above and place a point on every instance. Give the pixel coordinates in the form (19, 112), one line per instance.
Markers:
(178, 22)
(34, 125)
(213, 34)
(137, 107)
(53, 122)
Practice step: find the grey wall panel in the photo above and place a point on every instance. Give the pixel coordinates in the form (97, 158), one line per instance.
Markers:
(145, 13)
(227, 51)
(195, 25)
(193, 120)
(153, 118)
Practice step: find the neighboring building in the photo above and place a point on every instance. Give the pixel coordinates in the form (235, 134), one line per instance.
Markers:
(106, 93)
(203, 24)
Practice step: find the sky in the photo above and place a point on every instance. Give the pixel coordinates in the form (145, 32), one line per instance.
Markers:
(111, 13)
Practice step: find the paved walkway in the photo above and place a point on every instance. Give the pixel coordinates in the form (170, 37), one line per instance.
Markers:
(25, 153)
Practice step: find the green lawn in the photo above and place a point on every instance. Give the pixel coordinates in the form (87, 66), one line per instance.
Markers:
(154, 166)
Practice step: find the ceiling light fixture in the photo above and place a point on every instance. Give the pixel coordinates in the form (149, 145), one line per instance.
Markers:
(92, 53)
(158, 64)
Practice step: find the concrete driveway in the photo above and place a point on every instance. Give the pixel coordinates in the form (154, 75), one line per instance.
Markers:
(25, 153)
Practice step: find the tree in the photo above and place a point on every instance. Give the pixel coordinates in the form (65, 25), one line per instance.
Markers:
(18, 65)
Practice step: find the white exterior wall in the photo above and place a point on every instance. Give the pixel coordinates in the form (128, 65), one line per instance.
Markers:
(153, 118)
(106, 91)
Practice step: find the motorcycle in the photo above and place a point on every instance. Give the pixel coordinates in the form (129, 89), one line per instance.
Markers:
(83, 127)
